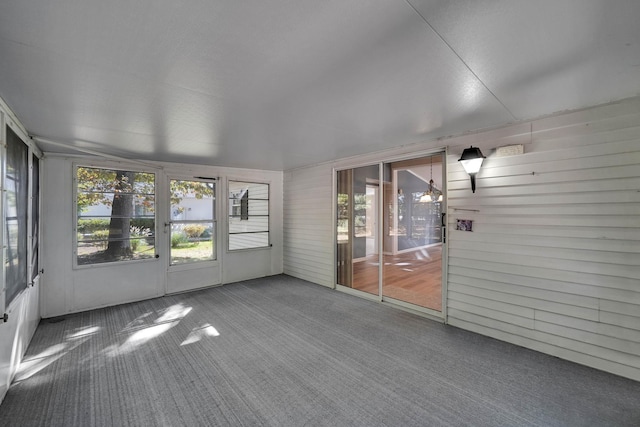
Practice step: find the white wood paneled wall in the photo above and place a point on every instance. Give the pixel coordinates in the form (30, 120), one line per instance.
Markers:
(553, 262)
(308, 224)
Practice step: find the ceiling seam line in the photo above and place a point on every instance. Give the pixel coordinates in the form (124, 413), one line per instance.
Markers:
(92, 152)
(461, 60)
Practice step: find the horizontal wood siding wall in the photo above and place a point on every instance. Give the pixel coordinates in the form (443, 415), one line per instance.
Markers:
(308, 224)
(553, 261)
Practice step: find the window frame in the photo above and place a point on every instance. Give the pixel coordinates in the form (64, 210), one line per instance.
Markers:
(114, 166)
(35, 208)
(215, 201)
(245, 216)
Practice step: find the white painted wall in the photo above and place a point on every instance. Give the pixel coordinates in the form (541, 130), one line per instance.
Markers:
(553, 262)
(82, 288)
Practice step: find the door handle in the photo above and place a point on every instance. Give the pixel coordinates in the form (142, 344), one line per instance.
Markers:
(443, 222)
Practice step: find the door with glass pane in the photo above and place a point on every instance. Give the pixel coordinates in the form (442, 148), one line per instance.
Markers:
(406, 265)
(192, 231)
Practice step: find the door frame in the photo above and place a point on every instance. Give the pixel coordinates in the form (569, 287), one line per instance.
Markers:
(422, 311)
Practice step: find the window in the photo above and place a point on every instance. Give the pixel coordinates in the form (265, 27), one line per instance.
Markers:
(16, 201)
(115, 215)
(248, 215)
(193, 225)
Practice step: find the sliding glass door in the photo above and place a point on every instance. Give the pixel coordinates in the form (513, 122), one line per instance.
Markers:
(412, 268)
(390, 231)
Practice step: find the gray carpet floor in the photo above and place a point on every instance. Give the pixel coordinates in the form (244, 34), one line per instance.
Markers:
(283, 352)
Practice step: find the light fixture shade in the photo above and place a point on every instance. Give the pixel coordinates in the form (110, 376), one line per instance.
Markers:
(471, 160)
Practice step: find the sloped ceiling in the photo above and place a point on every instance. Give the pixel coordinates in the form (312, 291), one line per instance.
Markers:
(279, 84)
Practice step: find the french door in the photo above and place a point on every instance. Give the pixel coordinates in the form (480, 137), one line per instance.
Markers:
(390, 231)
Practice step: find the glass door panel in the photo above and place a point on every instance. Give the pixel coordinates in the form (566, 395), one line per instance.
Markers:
(389, 231)
(412, 267)
(192, 221)
(357, 230)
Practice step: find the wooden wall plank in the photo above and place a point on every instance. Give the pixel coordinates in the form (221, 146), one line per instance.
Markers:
(521, 303)
(308, 225)
(520, 310)
(605, 341)
(625, 308)
(574, 254)
(543, 346)
(576, 343)
(618, 319)
(490, 313)
(540, 289)
(595, 327)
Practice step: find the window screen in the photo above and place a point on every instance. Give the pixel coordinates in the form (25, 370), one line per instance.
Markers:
(248, 215)
(16, 202)
(115, 215)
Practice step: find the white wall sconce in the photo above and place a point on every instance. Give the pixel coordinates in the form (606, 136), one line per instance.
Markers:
(471, 160)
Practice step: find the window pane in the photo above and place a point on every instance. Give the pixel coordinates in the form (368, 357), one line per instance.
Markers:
(258, 207)
(116, 215)
(248, 215)
(16, 199)
(253, 224)
(256, 190)
(192, 200)
(192, 242)
(192, 221)
(248, 241)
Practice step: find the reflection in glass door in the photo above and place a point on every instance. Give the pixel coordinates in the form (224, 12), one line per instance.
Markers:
(410, 239)
(356, 229)
(412, 268)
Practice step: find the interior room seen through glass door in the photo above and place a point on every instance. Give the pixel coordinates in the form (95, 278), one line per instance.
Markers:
(389, 231)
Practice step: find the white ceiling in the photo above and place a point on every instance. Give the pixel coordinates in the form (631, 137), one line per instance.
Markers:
(278, 84)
